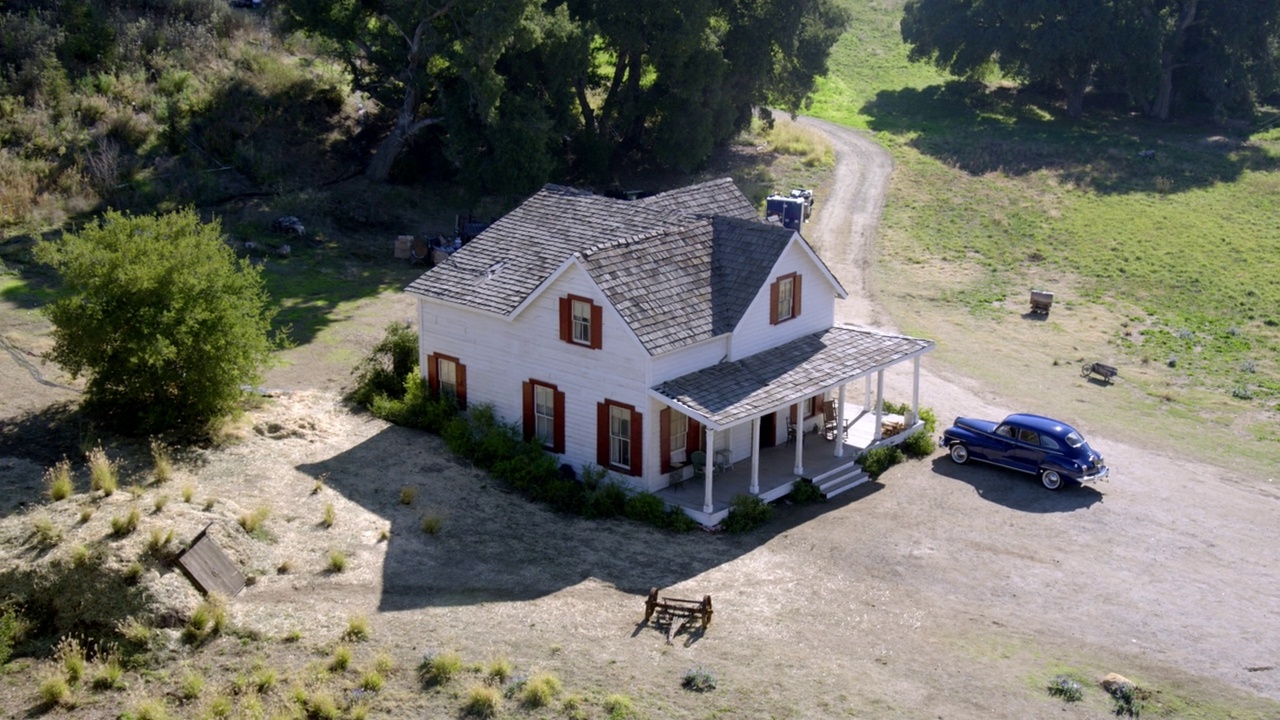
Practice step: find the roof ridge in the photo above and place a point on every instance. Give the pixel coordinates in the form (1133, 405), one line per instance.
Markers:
(587, 252)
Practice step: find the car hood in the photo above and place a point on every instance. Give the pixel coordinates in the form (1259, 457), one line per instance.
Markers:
(977, 425)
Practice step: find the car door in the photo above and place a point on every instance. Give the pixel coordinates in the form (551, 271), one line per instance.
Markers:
(1026, 451)
(996, 445)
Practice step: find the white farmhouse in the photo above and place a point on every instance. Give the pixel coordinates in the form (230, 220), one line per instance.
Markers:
(678, 340)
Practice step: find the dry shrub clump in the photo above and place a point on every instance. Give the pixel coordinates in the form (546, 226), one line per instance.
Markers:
(162, 460)
(102, 472)
(58, 480)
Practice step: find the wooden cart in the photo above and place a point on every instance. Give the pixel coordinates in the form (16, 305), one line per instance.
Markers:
(676, 613)
(1106, 372)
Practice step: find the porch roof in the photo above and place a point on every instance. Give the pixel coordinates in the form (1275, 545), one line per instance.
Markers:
(729, 393)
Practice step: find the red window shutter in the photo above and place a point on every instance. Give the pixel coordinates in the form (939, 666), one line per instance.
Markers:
(433, 373)
(597, 324)
(693, 441)
(462, 386)
(773, 303)
(558, 432)
(795, 296)
(602, 435)
(793, 414)
(529, 422)
(637, 444)
(566, 320)
(664, 440)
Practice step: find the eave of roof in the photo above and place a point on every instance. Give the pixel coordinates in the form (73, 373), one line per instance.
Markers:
(729, 393)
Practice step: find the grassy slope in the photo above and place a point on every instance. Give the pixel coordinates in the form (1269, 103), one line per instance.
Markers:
(995, 194)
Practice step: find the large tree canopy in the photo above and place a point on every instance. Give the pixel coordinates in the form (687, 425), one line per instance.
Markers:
(521, 86)
(1223, 53)
(163, 319)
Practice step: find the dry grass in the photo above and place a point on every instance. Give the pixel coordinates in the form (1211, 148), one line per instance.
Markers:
(123, 525)
(58, 481)
(102, 472)
(483, 701)
(162, 461)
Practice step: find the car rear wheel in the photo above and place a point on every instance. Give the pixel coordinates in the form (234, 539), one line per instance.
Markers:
(959, 454)
(1051, 479)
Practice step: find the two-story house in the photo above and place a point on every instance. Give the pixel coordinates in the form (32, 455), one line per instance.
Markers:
(673, 338)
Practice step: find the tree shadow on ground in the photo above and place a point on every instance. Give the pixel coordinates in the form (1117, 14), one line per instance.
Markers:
(29, 444)
(977, 130)
(495, 545)
(1015, 490)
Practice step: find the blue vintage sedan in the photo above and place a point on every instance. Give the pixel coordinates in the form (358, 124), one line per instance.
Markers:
(1047, 448)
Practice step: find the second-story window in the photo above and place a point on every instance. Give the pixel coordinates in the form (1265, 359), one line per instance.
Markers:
(581, 321)
(784, 298)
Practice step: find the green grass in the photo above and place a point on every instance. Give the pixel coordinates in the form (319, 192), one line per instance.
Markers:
(998, 193)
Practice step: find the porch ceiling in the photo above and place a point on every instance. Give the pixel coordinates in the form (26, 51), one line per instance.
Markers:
(729, 393)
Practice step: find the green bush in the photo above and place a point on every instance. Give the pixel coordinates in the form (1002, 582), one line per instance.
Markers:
(529, 469)
(646, 508)
(805, 492)
(919, 445)
(877, 460)
(746, 512)
(457, 436)
(676, 520)
(607, 500)
(11, 627)
(387, 367)
(159, 314)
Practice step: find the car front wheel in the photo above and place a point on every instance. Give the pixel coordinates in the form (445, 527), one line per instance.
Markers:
(959, 454)
(1051, 479)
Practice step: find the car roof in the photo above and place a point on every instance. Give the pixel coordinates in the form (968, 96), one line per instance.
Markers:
(1040, 423)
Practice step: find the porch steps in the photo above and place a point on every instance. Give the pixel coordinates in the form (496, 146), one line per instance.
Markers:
(846, 477)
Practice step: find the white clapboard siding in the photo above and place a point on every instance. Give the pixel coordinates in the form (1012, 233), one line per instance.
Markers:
(817, 307)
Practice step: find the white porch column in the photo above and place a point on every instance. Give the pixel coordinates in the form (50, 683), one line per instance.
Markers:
(707, 506)
(879, 434)
(915, 390)
(799, 468)
(866, 394)
(840, 423)
(755, 457)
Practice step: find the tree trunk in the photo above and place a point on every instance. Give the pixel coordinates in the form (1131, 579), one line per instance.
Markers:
(1168, 60)
(380, 166)
(1074, 85)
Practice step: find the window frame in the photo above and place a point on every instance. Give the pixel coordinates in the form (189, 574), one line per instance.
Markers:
(569, 323)
(434, 382)
(793, 281)
(605, 437)
(530, 391)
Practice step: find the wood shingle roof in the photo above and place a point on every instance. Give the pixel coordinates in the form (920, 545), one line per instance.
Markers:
(502, 266)
(688, 284)
(729, 393)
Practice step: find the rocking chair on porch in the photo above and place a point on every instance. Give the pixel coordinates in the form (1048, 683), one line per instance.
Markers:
(699, 460)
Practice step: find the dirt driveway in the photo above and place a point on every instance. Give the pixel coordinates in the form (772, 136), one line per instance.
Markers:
(938, 592)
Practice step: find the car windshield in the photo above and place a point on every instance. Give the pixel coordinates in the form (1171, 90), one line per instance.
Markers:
(1073, 439)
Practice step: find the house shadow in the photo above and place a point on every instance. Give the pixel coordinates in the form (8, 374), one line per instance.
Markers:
(978, 130)
(494, 545)
(1015, 490)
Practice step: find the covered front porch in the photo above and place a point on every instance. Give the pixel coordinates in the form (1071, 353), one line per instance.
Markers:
(776, 470)
(740, 406)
